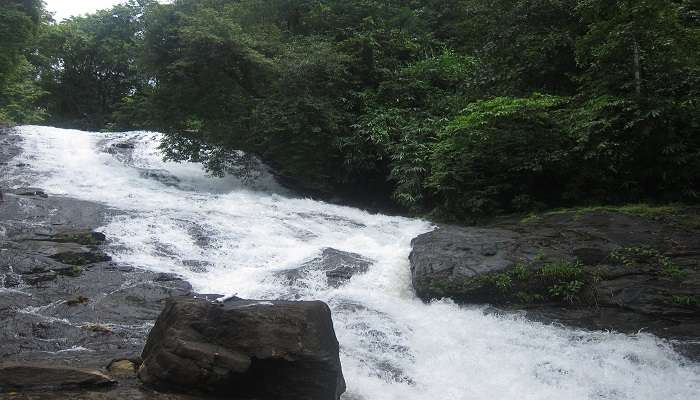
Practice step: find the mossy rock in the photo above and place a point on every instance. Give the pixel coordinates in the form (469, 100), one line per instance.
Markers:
(80, 259)
(87, 238)
(563, 282)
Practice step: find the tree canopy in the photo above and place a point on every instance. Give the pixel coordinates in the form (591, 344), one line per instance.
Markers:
(451, 107)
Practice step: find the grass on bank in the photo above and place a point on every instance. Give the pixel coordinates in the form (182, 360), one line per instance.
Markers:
(645, 210)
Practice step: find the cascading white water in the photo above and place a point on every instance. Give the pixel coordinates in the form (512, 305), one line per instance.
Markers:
(393, 346)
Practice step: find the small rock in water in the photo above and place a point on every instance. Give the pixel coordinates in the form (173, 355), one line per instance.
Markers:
(32, 192)
(338, 266)
(122, 368)
(162, 176)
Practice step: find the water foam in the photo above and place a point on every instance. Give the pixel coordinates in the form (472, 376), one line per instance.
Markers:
(232, 237)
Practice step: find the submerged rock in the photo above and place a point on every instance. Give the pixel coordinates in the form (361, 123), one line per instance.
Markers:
(31, 192)
(245, 348)
(338, 266)
(160, 175)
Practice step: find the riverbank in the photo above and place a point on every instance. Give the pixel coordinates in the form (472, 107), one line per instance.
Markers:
(627, 269)
(63, 303)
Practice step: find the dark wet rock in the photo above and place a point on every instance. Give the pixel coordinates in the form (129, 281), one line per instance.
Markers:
(10, 280)
(453, 254)
(54, 314)
(122, 151)
(198, 266)
(31, 192)
(40, 277)
(598, 270)
(80, 300)
(15, 376)
(245, 348)
(84, 237)
(160, 175)
(338, 266)
(37, 216)
(164, 277)
(80, 258)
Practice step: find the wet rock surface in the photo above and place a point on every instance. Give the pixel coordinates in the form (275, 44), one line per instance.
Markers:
(74, 323)
(19, 376)
(598, 270)
(247, 348)
(338, 267)
(63, 303)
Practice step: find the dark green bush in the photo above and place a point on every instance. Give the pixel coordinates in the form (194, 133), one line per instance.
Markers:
(500, 155)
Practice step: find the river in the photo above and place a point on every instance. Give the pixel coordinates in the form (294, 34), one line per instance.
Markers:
(233, 236)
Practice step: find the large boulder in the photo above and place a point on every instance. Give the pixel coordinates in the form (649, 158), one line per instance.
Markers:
(450, 257)
(598, 269)
(245, 349)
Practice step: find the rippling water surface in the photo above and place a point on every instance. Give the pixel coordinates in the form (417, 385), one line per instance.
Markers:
(233, 237)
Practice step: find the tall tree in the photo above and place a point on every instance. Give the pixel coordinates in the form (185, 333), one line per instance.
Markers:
(88, 64)
(19, 21)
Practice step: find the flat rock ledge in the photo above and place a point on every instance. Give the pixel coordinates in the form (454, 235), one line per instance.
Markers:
(245, 349)
(21, 376)
(598, 270)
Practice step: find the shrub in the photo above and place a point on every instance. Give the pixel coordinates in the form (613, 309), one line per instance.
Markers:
(499, 155)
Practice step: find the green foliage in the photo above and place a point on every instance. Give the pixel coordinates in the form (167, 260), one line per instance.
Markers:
(685, 300)
(639, 257)
(561, 271)
(503, 282)
(405, 114)
(88, 65)
(671, 270)
(567, 291)
(645, 210)
(564, 280)
(499, 155)
(631, 256)
(637, 121)
(19, 21)
(560, 281)
(452, 108)
(20, 95)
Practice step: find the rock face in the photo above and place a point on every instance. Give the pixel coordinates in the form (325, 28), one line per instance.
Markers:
(601, 270)
(450, 254)
(245, 349)
(62, 302)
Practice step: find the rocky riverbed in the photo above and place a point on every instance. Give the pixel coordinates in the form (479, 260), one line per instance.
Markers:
(75, 324)
(63, 303)
(83, 282)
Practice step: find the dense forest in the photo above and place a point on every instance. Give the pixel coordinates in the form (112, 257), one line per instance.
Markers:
(451, 108)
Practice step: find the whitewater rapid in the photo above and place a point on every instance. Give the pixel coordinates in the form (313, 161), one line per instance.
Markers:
(240, 233)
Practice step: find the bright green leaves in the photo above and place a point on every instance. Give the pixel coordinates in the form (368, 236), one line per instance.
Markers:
(19, 21)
